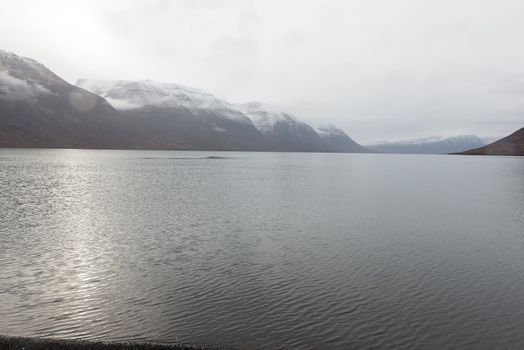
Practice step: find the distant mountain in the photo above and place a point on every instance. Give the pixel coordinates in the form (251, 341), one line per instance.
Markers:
(431, 145)
(336, 140)
(284, 132)
(39, 109)
(512, 145)
(179, 117)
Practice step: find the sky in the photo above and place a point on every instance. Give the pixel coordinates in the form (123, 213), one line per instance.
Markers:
(379, 69)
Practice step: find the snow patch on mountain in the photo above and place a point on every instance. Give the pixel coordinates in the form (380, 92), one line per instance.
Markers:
(329, 130)
(20, 77)
(122, 104)
(27, 69)
(125, 95)
(265, 117)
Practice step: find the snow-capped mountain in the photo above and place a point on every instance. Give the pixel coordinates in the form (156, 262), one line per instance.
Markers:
(285, 132)
(190, 117)
(281, 130)
(431, 145)
(18, 72)
(39, 109)
(265, 117)
(327, 130)
(336, 140)
(125, 95)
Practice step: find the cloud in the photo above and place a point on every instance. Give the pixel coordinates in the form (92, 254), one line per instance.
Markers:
(123, 104)
(12, 88)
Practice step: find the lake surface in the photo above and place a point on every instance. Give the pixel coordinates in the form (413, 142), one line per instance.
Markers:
(263, 250)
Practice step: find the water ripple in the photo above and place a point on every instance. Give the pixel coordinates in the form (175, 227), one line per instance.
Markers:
(264, 251)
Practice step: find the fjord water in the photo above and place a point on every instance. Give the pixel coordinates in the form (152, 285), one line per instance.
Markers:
(263, 250)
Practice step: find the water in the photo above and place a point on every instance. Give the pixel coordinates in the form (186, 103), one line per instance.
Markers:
(263, 250)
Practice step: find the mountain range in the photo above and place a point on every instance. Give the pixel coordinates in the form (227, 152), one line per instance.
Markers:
(431, 145)
(40, 109)
(512, 145)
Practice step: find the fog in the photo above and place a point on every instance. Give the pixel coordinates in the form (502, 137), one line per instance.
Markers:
(381, 70)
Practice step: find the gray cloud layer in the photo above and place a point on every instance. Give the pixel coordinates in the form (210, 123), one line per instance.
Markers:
(380, 69)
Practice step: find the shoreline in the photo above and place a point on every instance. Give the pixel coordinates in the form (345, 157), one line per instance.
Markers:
(29, 343)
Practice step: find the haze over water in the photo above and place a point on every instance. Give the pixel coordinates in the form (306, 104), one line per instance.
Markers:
(263, 250)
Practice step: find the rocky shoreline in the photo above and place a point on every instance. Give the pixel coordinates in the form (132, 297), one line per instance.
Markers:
(20, 343)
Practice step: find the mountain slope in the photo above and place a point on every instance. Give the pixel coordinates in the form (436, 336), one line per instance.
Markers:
(284, 132)
(336, 140)
(39, 109)
(173, 114)
(431, 145)
(512, 145)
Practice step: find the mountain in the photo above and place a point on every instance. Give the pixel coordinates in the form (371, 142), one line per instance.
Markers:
(284, 132)
(512, 145)
(336, 140)
(431, 145)
(39, 109)
(179, 117)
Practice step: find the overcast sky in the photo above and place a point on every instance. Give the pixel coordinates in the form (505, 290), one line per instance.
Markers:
(380, 69)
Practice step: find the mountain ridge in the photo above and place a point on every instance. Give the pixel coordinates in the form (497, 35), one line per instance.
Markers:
(170, 113)
(40, 109)
(430, 145)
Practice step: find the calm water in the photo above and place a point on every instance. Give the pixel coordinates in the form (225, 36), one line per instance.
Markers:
(263, 250)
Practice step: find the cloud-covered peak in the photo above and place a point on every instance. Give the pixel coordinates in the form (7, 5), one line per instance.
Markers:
(266, 116)
(126, 94)
(23, 78)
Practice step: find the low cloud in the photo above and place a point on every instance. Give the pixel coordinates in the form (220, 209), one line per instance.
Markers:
(123, 104)
(13, 88)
